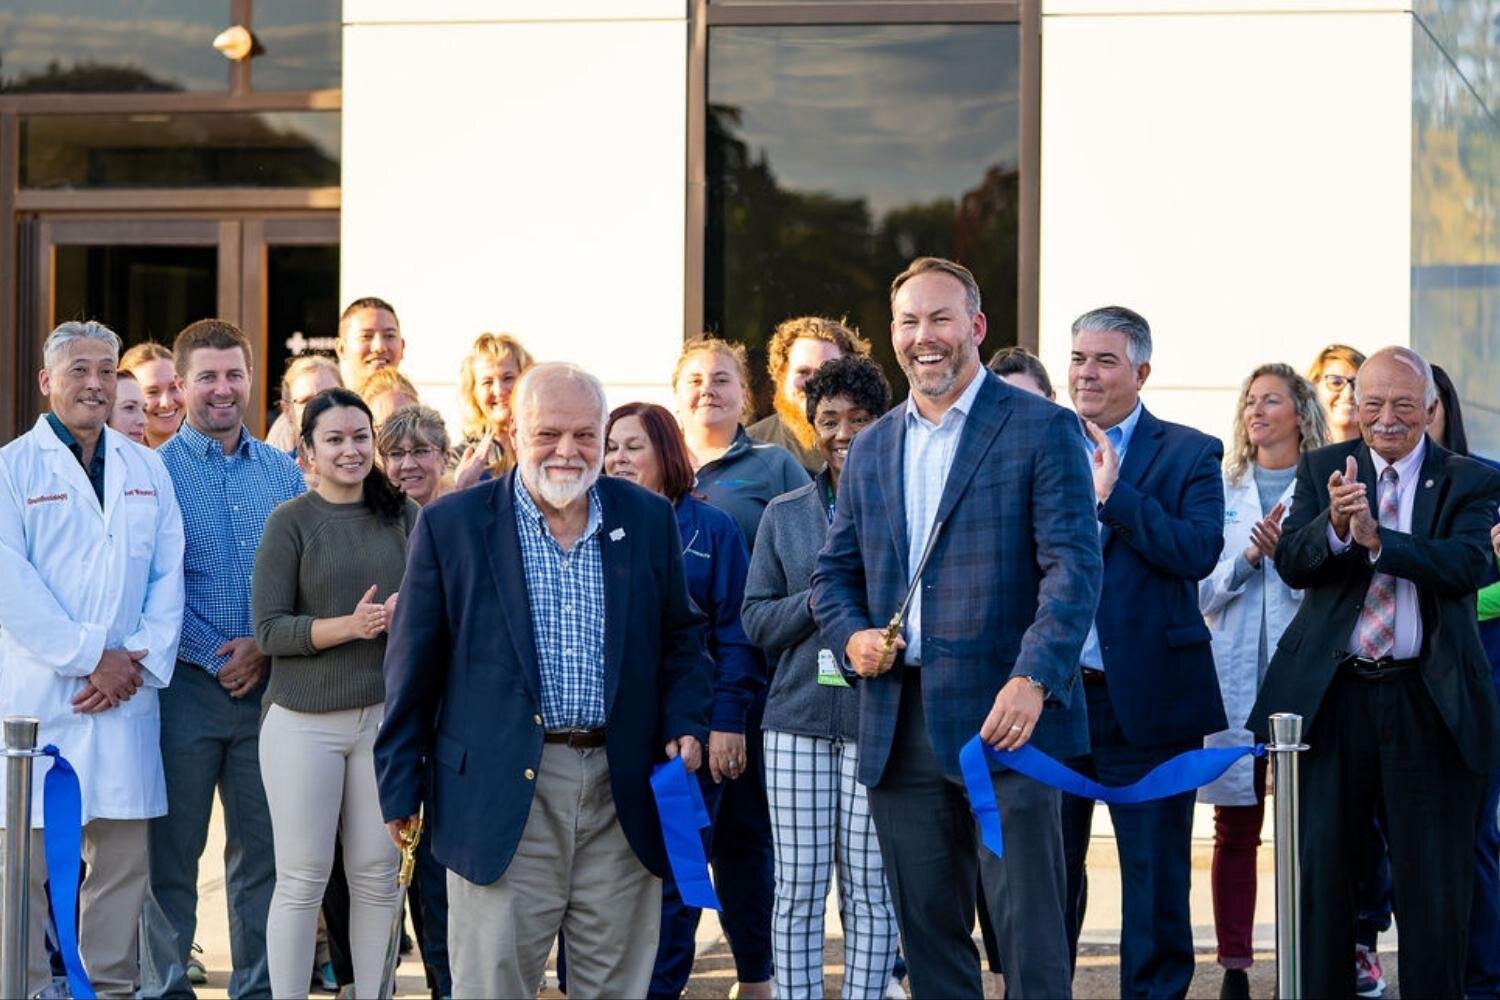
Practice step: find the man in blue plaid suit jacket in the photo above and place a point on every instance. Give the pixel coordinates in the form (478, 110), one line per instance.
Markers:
(990, 644)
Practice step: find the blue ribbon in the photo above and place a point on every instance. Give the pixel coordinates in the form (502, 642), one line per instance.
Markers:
(62, 835)
(679, 803)
(1182, 773)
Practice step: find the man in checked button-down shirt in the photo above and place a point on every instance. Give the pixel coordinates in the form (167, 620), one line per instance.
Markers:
(227, 484)
(544, 655)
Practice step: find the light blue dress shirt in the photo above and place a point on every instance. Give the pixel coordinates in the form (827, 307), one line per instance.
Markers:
(1119, 435)
(927, 459)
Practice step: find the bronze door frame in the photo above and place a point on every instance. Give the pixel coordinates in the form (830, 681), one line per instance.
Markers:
(241, 241)
(704, 14)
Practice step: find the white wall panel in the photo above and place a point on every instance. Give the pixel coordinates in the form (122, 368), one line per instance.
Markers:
(520, 176)
(1242, 180)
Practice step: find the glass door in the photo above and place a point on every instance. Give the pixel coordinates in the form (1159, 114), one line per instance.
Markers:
(275, 277)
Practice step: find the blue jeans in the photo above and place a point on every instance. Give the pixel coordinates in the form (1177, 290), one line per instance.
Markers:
(209, 741)
(1154, 840)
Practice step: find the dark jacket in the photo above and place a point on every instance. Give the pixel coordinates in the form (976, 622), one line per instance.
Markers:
(1447, 555)
(1009, 591)
(748, 476)
(463, 685)
(1163, 530)
(773, 430)
(716, 561)
(778, 619)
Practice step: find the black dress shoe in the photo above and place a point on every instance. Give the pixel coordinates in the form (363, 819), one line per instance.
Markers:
(1236, 985)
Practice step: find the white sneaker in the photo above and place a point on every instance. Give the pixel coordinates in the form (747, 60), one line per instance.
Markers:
(56, 990)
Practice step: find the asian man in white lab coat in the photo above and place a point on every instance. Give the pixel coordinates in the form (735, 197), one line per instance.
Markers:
(90, 611)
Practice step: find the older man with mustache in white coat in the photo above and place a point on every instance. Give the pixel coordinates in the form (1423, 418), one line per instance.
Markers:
(90, 610)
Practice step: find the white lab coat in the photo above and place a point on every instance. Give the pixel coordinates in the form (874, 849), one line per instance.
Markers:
(1234, 621)
(77, 581)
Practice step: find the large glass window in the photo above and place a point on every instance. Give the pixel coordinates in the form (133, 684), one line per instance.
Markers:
(255, 149)
(835, 154)
(105, 46)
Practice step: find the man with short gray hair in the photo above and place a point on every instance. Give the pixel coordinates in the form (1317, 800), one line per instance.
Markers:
(544, 655)
(1388, 537)
(90, 608)
(1147, 668)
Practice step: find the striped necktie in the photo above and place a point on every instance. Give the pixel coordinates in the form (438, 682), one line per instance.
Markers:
(1376, 634)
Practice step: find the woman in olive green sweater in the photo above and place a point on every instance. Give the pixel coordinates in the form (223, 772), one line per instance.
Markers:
(327, 573)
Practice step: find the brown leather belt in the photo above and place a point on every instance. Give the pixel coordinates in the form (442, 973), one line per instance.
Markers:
(1091, 677)
(1363, 668)
(579, 739)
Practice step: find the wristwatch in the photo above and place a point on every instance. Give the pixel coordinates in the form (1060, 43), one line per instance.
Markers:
(1037, 684)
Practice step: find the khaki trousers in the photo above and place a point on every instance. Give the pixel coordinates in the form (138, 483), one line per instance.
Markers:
(573, 870)
(109, 906)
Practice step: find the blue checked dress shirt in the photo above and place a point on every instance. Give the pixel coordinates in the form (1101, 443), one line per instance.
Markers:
(225, 500)
(927, 460)
(566, 594)
(1119, 435)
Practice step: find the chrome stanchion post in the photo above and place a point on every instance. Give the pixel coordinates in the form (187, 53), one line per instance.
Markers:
(1286, 743)
(20, 749)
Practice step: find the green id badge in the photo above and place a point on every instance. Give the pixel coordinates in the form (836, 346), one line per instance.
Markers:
(828, 670)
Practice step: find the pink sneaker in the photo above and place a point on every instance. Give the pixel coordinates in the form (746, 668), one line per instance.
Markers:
(1368, 980)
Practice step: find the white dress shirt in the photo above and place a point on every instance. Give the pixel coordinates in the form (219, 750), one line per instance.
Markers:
(927, 458)
(1408, 641)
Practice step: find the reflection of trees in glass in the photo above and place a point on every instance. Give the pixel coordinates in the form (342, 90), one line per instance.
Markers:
(84, 78)
(772, 252)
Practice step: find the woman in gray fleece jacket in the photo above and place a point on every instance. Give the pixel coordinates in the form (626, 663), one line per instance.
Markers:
(818, 809)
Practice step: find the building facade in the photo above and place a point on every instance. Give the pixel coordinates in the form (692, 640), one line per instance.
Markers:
(604, 177)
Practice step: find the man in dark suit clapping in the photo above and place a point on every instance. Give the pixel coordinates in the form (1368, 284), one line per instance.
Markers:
(544, 654)
(989, 644)
(1389, 537)
(1147, 667)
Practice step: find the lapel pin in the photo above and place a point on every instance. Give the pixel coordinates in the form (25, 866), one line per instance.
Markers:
(619, 533)
(1428, 484)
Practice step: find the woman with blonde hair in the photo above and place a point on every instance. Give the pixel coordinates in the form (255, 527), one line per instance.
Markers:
(1247, 607)
(1333, 373)
(485, 382)
(151, 364)
(736, 473)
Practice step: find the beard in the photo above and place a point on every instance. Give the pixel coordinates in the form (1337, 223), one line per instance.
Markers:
(793, 416)
(557, 493)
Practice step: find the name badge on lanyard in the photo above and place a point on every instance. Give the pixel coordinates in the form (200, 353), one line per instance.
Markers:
(828, 670)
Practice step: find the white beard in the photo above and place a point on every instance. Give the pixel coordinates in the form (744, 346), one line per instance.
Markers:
(558, 494)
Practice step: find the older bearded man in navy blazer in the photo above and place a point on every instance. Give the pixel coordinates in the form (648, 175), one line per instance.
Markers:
(543, 654)
(990, 642)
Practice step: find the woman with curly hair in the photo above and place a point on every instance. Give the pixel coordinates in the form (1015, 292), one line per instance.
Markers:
(819, 813)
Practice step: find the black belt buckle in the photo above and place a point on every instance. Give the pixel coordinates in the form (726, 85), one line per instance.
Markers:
(1365, 669)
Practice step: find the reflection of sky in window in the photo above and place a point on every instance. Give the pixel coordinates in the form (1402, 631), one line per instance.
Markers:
(301, 40)
(896, 114)
(170, 40)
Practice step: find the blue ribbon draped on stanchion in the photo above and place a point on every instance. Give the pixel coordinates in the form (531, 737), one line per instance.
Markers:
(1183, 773)
(679, 802)
(62, 836)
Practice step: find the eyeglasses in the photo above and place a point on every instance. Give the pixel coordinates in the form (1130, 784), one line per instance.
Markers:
(421, 453)
(1336, 383)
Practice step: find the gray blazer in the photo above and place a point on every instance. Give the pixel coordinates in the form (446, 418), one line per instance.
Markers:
(777, 619)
